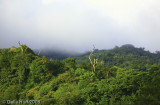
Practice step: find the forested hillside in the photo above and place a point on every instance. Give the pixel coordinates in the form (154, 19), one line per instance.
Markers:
(126, 56)
(121, 76)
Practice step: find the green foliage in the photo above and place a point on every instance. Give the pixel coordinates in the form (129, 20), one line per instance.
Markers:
(68, 94)
(12, 93)
(70, 63)
(57, 67)
(31, 93)
(39, 71)
(124, 76)
(126, 56)
(150, 92)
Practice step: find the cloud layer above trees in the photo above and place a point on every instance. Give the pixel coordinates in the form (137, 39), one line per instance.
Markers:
(78, 24)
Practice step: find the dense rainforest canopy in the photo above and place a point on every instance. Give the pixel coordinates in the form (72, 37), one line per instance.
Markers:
(123, 76)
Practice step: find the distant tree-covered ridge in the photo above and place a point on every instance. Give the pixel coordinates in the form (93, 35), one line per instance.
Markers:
(123, 76)
(55, 54)
(126, 56)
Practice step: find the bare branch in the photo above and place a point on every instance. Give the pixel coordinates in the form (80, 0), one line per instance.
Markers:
(39, 52)
(95, 61)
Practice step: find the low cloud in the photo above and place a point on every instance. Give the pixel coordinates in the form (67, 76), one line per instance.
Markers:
(77, 25)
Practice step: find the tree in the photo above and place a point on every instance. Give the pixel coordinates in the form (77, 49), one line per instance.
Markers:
(39, 70)
(94, 61)
(12, 92)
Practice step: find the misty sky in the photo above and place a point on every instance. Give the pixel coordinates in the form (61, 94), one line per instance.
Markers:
(78, 24)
